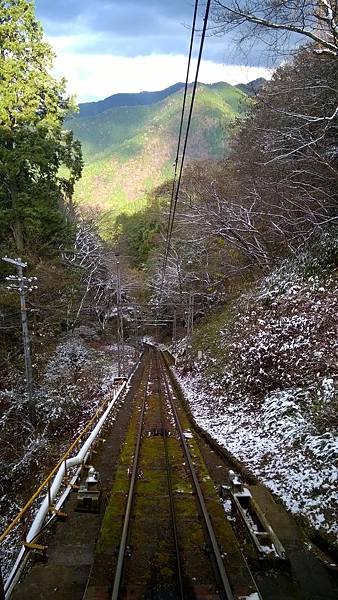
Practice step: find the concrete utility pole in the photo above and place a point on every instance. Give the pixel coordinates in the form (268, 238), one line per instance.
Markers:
(21, 284)
(190, 320)
(120, 333)
(174, 335)
(137, 339)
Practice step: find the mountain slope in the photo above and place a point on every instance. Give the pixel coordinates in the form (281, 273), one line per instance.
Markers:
(128, 150)
(252, 87)
(129, 99)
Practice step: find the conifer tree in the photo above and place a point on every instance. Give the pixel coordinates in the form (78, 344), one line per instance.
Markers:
(39, 160)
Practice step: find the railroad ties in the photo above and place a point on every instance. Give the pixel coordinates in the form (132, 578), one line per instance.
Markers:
(164, 533)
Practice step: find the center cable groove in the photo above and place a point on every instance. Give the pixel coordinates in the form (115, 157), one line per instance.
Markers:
(126, 523)
(170, 487)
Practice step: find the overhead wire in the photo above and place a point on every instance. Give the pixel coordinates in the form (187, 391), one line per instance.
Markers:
(175, 195)
(190, 115)
(182, 115)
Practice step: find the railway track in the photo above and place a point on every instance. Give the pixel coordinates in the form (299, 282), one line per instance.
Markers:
(224, 588)
(167, 547)
(162, 531)
(180, 587)
(158, 428)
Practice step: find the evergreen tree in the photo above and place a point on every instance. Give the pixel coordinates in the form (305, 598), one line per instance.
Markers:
(39, 161)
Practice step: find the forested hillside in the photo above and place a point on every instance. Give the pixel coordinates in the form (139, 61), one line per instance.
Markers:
(130, 149)
(271, 197)
(137, 99)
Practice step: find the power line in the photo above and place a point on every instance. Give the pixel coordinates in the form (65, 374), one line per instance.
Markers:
(173, 212)
(182, 115)
(188, 124)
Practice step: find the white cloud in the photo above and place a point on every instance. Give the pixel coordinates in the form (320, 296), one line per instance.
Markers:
(96, 76)
(63, 44)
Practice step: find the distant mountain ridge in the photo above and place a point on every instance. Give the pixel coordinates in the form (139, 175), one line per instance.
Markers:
(127, 99)
(129, 141)
(145, 98)
(252, 87)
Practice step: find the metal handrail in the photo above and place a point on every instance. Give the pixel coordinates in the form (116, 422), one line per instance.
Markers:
(47, 480)
(53, 482)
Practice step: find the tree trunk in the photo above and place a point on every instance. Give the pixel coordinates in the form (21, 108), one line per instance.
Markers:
(17, 225)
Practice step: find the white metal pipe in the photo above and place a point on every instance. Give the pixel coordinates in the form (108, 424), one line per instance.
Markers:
(71, 462)
(23, 554)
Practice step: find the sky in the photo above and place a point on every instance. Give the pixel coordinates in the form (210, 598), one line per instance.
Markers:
(108, 46)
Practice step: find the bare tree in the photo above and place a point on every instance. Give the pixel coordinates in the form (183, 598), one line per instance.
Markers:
(96, 263)
(312, 20)
(97, 273)
(286, 152)
(193, 267)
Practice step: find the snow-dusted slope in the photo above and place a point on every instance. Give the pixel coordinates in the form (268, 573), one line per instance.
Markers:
(266, 388)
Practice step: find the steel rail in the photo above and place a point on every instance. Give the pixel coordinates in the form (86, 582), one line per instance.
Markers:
(170, 490)
(127, 516)
(223, 578)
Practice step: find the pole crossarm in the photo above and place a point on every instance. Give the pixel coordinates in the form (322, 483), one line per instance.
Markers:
(15, 261)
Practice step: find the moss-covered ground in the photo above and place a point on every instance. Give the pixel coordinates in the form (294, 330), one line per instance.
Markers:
(152, 565)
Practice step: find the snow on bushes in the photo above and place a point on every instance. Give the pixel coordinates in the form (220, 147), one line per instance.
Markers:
(266, 387)
(69, 357)
(288, 337)
(77, 376)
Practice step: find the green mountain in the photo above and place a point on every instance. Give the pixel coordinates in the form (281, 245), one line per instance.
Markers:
(130, 149)
(140, 99)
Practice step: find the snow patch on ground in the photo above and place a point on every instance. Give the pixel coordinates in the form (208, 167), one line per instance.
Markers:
(279, 445)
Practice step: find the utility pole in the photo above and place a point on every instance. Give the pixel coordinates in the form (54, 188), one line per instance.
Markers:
(137, 341)
(190, 320)
(174, 335)
(21, 284)
(120, 333)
